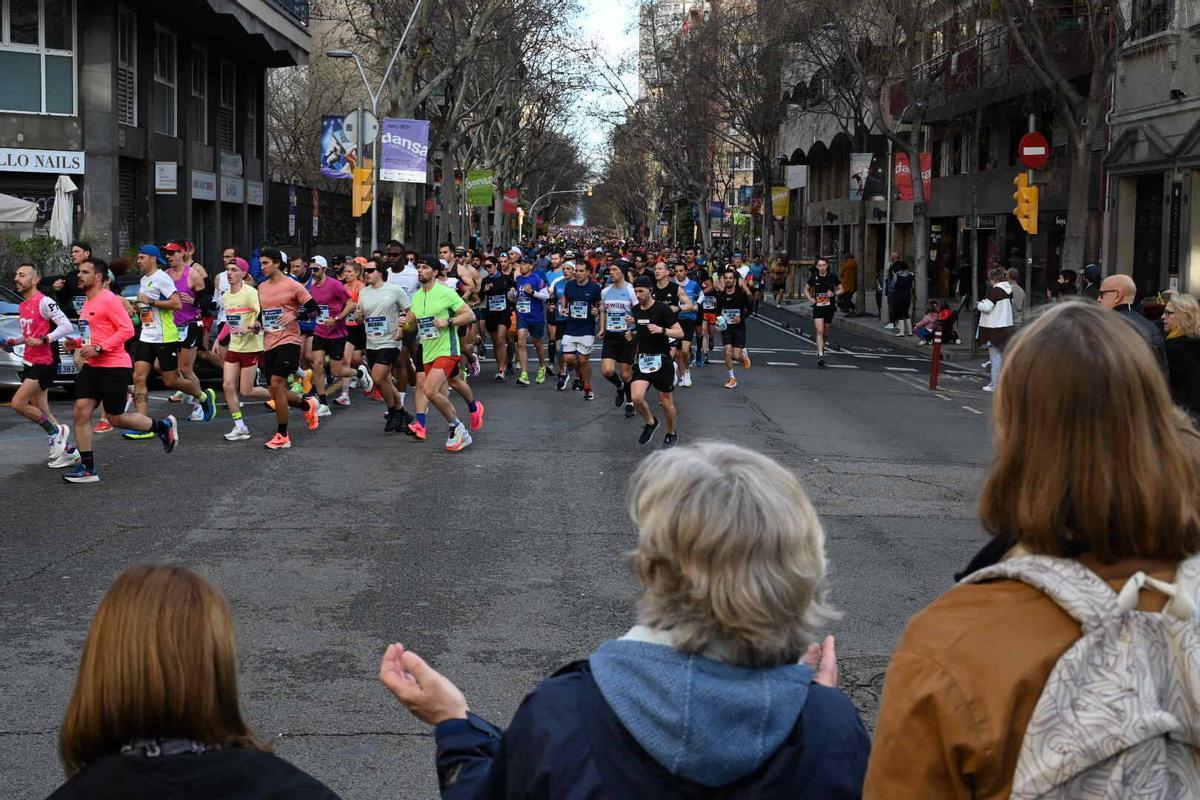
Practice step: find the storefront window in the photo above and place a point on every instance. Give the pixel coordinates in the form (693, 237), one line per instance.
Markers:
(37, 43)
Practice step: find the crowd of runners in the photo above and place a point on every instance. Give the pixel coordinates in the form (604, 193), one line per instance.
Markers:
(302, 333)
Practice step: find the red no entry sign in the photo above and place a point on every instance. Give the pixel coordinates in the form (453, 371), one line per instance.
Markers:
(1034, 150)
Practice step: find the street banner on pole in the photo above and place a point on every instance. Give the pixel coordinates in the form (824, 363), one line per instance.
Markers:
(904, 185)
(511, 203)
(479, 187)
(779, 201)
(404, 151)
(338, 154)
(860, 172)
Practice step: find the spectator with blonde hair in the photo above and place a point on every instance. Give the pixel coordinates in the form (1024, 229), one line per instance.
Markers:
(1096, 477)
(1181, 322)
(720, 689)
(155, 712)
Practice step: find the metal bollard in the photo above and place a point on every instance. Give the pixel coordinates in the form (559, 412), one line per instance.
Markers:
(936, 366)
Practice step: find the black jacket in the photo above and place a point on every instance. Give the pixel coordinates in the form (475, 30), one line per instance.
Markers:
(1183, 358)
(233, 774)
(1148, 331)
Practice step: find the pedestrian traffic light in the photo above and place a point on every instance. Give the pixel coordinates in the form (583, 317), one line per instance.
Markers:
(1026, 198)
(363, 189)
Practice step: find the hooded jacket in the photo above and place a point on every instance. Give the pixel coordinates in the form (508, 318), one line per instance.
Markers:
(642, 719)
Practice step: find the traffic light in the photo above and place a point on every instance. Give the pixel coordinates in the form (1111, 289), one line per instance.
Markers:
(1026, 198)
(362, 193)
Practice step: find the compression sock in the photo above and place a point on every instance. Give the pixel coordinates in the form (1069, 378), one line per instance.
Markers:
(421, 418)
(48, 426)
(88, 458)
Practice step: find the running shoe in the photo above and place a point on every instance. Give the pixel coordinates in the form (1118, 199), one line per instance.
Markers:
(210, 405)
(82, 474)
(731, 383)
(311, 417)
(523, 379)
(620, 396)
(365, 381)
(279, 442)
(541, 375)
(69, 458)
(629, 412)
(561, 384)
(477, 416)
(103, 426)
(342, 400)
(588, 394)
(745, 359)
(473, 368)
(58, 442)
(137, 435)
(458, 439)
(176, 398)
(499, 377)
(169, 437)
(238, 434)
(670, 440)
(323, 410)
(648, 432)
(416, 430)
(197, 414)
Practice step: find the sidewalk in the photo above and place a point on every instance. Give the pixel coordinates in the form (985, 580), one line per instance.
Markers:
(870, 327)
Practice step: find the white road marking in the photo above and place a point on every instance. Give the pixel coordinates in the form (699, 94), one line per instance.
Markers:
(973, 411)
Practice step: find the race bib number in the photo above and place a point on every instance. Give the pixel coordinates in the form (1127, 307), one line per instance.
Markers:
(78, 301)
(272, 319)
(322, 315)
(148, 317)
(85, 332)
(233, 320)
(376, 326)
(497, 302)
(648, 364)
(616, 323)
(822, 300)
(732, 315)
(579, 309)
(524, 305)
(426, 328)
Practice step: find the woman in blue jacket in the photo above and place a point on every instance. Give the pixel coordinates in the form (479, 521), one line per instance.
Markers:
(719, 690)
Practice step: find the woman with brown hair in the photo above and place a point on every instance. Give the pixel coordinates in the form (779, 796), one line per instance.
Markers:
(155, 710)
(1094, 469)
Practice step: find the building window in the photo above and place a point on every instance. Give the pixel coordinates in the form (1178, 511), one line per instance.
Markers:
(198, 102)
(126, 67)
(252, 118)
(37, 45)
(226, 127)
(1150, 17)
(165, 82)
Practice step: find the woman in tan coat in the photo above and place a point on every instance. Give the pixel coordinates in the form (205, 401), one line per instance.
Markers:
(1093, 463)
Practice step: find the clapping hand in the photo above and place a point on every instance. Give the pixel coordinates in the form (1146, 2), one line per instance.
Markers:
(425, 692)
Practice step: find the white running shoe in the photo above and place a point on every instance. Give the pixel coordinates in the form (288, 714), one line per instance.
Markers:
(58, 442)
(240, 433)
(66, 459)
(323, 411)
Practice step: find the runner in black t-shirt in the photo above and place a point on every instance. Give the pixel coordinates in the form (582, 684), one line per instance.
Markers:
(822, 291)
(495, 291)
(653, 324)
(733, 307)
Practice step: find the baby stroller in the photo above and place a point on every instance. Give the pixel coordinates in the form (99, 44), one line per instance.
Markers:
(947, 319)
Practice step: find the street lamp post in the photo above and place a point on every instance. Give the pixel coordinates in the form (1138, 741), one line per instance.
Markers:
(374, 96)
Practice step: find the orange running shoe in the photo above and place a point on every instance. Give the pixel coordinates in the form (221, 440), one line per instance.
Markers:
(279, 442)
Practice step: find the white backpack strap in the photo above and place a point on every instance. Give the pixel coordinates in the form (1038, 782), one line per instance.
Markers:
(1072, 586)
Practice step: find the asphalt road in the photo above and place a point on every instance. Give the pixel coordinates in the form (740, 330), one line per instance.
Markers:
(498, 564)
